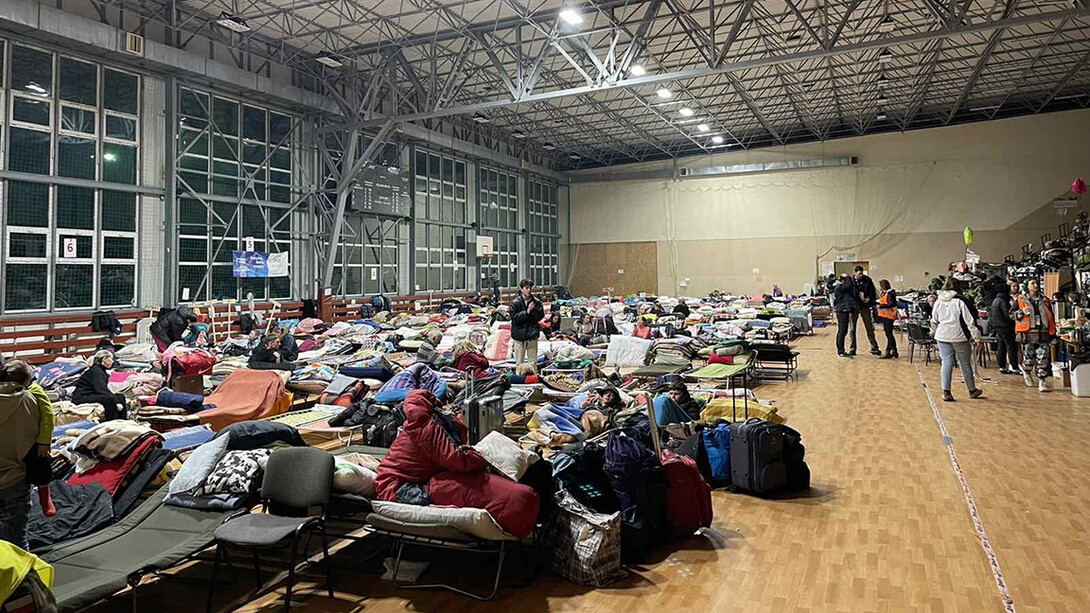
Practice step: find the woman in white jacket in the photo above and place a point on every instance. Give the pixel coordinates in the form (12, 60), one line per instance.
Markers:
(952, 326)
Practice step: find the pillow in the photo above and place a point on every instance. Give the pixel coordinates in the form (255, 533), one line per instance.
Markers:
(353, 478)
(505, 455)
(236, 473)
(256, 434)
(473, 522)
(199, 465)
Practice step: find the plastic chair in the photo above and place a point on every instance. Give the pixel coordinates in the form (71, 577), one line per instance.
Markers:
(296, 479)
(919, 337)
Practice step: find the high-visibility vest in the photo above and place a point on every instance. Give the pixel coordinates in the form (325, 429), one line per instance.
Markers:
(1025, 320)
(886, 308)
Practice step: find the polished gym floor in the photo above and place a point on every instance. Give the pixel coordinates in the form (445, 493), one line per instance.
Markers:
(887, 525)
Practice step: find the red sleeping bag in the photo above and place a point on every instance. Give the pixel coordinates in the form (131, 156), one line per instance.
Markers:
(453, 475)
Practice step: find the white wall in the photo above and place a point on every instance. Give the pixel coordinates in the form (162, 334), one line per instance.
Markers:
(911, 195)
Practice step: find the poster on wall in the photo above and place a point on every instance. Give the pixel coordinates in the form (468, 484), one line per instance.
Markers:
(250, 264)
(278, 264)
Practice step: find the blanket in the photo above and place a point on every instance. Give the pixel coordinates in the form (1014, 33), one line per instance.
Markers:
(245, 394)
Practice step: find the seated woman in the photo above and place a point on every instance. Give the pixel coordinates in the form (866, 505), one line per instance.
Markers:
(585, 330)
(93, 386)
(267, 356)
(467, 355)
(430, 464)
(685, 401)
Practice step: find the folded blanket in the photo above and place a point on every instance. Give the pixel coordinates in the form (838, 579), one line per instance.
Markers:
(113, 439)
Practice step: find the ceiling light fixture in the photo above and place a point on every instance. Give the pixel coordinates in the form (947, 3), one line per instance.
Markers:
(637, 70)
(329, 60)
(702, 127)
(518, 134)
(885, 56)
(882, 80)
(571, 16)
(685, 111)
(882, 100)
(887, 24)
(34, 87)
(548, 146)
(232, 22)
(717, 139)
(574, 156)
(881, 116)
(981, 109)
(481, 118)
(663, 93)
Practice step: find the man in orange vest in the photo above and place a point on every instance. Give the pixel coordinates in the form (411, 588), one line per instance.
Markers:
(1035, 328)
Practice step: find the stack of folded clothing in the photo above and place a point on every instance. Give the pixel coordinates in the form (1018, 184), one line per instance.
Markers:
(122, 456)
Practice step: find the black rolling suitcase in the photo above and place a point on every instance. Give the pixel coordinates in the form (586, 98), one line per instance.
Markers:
(767, 458)
(483, 414)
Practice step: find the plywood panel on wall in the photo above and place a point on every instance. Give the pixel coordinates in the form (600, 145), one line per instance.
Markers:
(598, 266)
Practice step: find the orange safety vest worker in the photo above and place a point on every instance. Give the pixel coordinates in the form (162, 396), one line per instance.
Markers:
(887, 309)
(1028, 318)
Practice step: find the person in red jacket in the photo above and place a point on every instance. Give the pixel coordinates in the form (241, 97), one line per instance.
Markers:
(429, 464)
(467, 355)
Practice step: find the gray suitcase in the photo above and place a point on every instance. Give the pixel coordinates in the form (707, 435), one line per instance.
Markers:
(482, 415)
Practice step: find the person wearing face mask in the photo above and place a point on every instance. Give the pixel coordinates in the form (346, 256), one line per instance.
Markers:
(526, 311)
(1035, 328)
(93, 387)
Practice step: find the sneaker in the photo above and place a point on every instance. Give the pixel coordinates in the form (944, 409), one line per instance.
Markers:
(843, 355)
(851, 354)
(1043, 386)
(947, 396)
(875, 352)
(886, 357)
(977, 393)
(1028, 378)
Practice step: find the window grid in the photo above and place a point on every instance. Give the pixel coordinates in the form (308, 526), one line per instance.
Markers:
(442, 217)
(498, 202)
(369, 256)
(229, 148)
(58, 101)
(544, 227)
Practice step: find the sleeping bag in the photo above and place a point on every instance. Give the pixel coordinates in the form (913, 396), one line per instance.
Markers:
(415, 377)
(431, 453)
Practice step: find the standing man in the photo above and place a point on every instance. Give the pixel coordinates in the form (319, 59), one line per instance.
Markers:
(526, 311)
(868, 297)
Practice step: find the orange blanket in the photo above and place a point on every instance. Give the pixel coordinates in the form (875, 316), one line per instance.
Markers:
(245, 394)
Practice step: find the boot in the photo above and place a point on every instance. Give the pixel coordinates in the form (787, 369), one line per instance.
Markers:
(947, 396)
(1027, 376)
(1043, 386)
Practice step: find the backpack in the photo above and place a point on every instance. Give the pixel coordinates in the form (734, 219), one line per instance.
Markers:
(106, 321)
(578, 469)
(636, 477)
(246, 323)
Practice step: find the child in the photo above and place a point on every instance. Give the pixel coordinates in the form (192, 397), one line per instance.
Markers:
(39, 472)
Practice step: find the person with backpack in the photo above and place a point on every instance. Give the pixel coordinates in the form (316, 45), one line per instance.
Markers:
(952, 327)
(887, 314)
(1001, 324)
(526, 311)
(1035, 328)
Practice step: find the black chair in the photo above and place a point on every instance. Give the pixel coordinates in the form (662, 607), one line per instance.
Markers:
(919, 337)
(296, 480)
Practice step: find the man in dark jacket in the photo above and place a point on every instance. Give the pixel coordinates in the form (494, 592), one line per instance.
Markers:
(170, 326)
(1001, 325)
(526, 311)
(846, 302)
(867, 297)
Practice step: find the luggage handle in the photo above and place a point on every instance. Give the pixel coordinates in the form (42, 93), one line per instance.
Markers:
(654, 425)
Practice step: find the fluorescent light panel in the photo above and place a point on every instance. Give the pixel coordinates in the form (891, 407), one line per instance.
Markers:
(663, 93)
(571, 16)
(637, 70)
(232, 22)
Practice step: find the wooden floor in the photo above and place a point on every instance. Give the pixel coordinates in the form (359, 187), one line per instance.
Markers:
(886, 527)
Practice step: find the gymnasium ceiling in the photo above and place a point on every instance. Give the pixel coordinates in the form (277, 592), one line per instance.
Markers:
(754, 72)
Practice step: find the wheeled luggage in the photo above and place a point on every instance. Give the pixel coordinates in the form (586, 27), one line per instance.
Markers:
(767, 458)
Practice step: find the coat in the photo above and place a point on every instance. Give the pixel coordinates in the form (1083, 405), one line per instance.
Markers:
(171, 324)
(845, 298)
(949, 319)
(93, 383)
(1035, 315)
(865, 286)
(19, 424)
(999, 313)
(453, 474)
(524, 325)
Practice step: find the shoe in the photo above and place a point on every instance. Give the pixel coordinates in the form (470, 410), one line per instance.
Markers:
(875, 352)
(843, 355)
(977, 393)
(851, 354)
(947, 396)
(1028, 378)
(896, 355)
(1043, 386)
(886, 357)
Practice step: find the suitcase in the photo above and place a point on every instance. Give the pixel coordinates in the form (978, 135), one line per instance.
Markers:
(688, 497)
(767, 458)
(483, 414)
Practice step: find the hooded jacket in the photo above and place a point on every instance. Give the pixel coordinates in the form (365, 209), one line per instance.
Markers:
(19, 424)
(171, 324)
(845, 298)
(950, 318)
(524, 325)
(999, 315)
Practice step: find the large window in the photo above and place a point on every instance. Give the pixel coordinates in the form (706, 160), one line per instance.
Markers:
(369, 255)
(442, 219)
(544, 233)
(499, 206)
(68, 246)
(234, 187)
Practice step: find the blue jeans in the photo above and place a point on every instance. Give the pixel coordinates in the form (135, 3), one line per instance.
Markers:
(14, 508)
(964, 353)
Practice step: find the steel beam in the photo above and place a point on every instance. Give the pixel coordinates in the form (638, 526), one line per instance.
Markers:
(981, 62)
(704, 71)
(1075, 68)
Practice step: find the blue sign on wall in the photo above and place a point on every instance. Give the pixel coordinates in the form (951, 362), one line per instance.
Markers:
(250, 264)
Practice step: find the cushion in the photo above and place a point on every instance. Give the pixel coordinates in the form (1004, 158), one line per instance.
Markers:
(353, 478)
(199, 465)
(237, 472)
(113, 474)
(256, 434)
(505, 455)
(473, 522)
